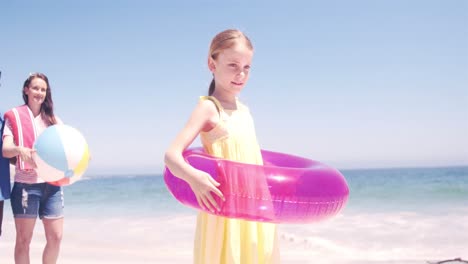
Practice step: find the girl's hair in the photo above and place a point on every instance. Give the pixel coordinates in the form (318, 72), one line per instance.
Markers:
(47, 107)
(225, 40)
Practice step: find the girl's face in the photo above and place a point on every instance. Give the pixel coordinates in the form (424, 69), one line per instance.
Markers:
(36, 91)
(231, 68)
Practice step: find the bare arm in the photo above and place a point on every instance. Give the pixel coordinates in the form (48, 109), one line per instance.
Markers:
(10, 150)
(203, 118)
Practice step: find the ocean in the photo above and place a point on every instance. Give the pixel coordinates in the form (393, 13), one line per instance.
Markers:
(409, 216)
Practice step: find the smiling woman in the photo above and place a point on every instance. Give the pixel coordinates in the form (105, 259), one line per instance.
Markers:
(31, 196)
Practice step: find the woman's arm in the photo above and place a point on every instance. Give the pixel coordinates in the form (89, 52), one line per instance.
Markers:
(10, 150)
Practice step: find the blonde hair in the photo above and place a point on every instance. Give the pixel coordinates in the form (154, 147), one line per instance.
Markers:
(226, 40)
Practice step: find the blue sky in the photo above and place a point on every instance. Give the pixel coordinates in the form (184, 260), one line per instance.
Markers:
(354, 84)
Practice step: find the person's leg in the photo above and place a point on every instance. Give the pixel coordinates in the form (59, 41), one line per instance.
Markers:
(25, 200)
(51, 213)
(53, 231)
(24, 233)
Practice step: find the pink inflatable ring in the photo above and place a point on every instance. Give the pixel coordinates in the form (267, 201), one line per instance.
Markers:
(286, 189)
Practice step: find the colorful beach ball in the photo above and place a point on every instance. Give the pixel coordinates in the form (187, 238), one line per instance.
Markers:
(62, 155)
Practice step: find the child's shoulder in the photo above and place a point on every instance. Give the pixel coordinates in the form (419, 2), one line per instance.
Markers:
(210, 103)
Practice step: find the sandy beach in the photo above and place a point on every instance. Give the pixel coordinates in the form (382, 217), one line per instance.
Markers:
(392, 217)
(169, 240)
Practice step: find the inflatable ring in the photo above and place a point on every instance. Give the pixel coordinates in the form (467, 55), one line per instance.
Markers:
(286, 189)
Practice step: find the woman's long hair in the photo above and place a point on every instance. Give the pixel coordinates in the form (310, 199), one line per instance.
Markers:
(47, 107)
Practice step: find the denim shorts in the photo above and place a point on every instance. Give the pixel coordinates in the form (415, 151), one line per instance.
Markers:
(39, 199)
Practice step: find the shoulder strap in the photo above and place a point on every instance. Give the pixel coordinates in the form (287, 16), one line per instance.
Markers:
(215, 101)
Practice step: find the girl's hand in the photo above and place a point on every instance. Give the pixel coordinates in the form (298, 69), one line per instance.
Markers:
(203, 185)
(26, 155)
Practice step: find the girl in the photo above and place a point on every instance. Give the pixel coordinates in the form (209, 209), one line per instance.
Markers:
(31, 196)
(226, 129)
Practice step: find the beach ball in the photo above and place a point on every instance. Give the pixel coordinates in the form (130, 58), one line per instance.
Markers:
(62, 155)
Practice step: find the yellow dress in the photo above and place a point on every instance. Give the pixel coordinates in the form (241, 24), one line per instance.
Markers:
(224, 240)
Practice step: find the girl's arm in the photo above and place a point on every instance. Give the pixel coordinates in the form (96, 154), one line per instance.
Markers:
(203, 118)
